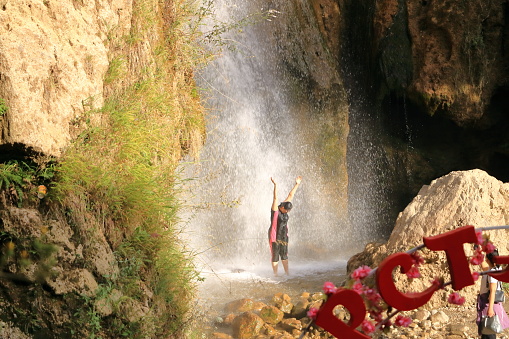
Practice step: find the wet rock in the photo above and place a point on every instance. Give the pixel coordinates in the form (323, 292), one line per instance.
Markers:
(228, 319)
(318, 296)
(283, 302)
(305, 295)
(247, 325)
(241, 305)
(219, 335)
(271, 315)
(300, 308)
(258, 305)
(268, 330)
(291, 324)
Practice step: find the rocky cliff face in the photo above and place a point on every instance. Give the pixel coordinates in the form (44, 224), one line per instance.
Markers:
(61, 266)
(433, 78)
(53, 59)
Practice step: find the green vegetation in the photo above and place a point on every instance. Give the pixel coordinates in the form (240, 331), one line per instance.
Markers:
(21, 252)
(121, 169)
(19, 179)
(3, 107)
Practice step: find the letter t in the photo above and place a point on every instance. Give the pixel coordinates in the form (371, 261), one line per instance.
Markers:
(452, 243)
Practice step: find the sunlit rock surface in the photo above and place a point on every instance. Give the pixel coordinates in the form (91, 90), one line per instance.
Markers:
(458, 199)
(53, 59)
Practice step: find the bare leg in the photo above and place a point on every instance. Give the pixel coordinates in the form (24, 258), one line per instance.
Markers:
(274, 267)
(285, 265)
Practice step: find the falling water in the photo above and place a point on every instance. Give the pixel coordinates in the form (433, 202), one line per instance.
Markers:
(260, 126)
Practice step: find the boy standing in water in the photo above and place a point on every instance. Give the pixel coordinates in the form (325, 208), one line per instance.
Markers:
(278, 231)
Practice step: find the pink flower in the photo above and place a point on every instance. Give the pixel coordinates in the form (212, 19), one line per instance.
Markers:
(358, 287)
(372, 295)
(361, 272)
(455, 298)
(413, 272)
(475, 276)
(367, 327)
(329, 288)
(477, 258)
(489, 247)
(402, 321)
(479, 237)
(376, 315)
(417, 259)
(312, 312)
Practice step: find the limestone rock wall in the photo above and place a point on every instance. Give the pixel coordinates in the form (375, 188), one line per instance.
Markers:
(53, 58)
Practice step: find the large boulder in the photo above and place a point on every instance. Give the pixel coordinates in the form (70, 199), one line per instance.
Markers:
(247, 325)
(457, 199)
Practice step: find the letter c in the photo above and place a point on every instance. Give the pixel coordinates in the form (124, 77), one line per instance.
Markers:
(389, 292)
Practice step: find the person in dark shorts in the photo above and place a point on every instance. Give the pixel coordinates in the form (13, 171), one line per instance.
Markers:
(278, 230)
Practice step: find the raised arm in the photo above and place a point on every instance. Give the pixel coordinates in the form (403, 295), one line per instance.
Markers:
(274, 201)
(294, 189)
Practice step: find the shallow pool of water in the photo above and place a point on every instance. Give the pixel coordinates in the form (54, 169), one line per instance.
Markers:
(223, 285)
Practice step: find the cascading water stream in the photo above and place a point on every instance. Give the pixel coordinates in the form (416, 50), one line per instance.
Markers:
(256, 130)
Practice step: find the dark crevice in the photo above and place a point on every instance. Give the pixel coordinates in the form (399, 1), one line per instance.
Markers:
(18, 152)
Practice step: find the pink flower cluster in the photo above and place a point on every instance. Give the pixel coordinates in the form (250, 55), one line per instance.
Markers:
(485, 243)
(402, 321)
(312, 312)
(414, 272)
(361, 272)
(367, 326)
(329, 288)
(478, 257)
(374, 303)
(455, 298)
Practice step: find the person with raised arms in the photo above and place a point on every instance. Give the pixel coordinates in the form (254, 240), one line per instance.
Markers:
(278, 230)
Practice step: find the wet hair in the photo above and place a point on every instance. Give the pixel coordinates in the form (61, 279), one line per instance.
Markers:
(287, 205)
(491, 255)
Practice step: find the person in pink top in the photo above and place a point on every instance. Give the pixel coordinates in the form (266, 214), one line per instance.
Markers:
(278, 231)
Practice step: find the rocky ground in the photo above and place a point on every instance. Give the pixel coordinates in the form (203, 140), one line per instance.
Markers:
(283, 316)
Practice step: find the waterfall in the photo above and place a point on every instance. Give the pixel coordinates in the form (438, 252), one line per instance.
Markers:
(260, 125)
